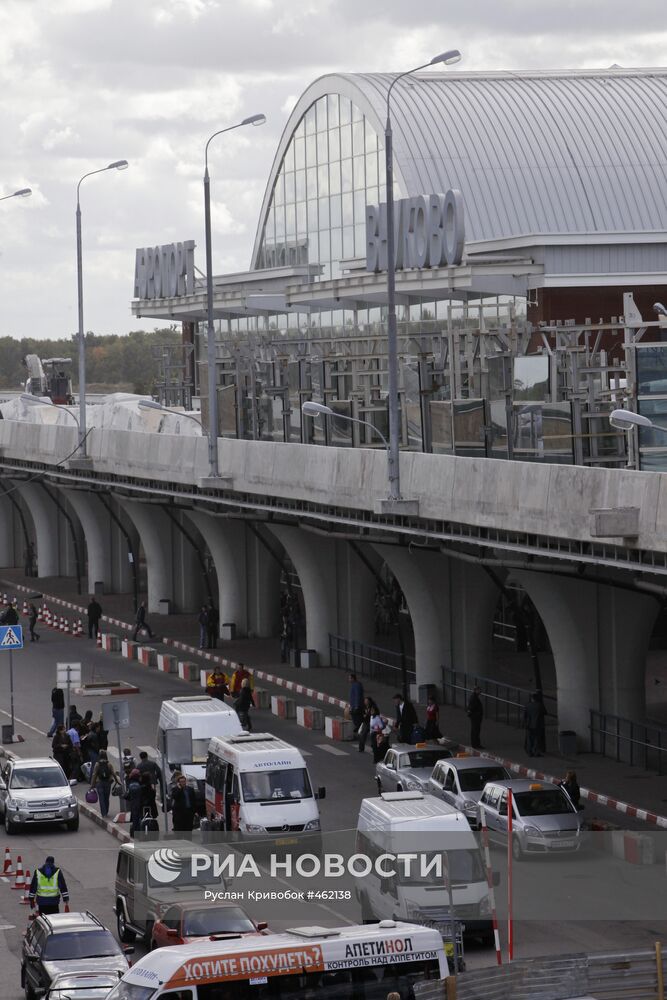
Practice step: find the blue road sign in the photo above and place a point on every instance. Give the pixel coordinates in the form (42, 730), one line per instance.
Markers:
(11, 637)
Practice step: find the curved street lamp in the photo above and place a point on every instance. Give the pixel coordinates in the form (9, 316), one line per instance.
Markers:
(312, 409)
(625, 420)
(116, 165)
(152, 404)
(448, 59)
(210, 337)
(21, 193)
(45, 401)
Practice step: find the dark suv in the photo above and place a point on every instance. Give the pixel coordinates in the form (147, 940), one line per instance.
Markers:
(67, 943)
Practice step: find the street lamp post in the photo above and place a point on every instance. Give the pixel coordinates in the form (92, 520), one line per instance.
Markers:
(21, 193)
(448, 59)
(116, 165)
(312, 409)
(210, 336)
(45, 401)
(152, 404)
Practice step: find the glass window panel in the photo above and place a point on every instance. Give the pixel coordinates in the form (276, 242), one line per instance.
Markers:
(323, 180)
(335, 205)
(322, 147)
(345, 111)
(289, 187)
(290, 220)
(280, 222)
(279, 190)
(311, 182)
(300, 130)
(312, 216)
(325, 220)
(313, 248)
(288, 161)
(336, 245)
(371, 169)
(358, 138)
(321, 113)
(370, 138)
(359, 241)
(301, 226)
(300, 185)
(300, 153)
(334, 178)
(334, 144)
(357, 114)
(359, 173)
(334, 114)
(348, 241)
(346, 175)
(372, 195)
(311, 150)
(531, 378)
(325, 249)
(348, 210)
(310, 120)
(359, 199)
(652, 370)
(345, 141)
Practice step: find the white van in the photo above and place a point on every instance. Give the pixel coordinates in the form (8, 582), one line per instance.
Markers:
(403, 822)
(258, 784)
(206, 717)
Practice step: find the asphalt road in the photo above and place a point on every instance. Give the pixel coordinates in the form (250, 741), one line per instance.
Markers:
(594, 899)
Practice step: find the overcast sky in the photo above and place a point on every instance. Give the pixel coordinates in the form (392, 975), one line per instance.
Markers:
(85, 82)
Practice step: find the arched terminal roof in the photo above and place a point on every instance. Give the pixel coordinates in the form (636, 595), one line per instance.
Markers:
(551, 153)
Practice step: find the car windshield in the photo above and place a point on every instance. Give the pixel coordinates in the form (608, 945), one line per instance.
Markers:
(543, 803)
(422, 758)
(186, 878)
(132, 991)
(465, 866)
(274, 786)
(225, 920)
(37, 777)
(78, 944)
(473, 779)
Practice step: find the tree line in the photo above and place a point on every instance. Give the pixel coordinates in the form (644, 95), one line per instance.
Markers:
(113, 363)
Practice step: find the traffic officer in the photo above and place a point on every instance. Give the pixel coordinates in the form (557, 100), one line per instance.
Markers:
(48, 885)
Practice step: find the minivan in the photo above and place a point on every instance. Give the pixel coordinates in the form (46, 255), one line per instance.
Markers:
(544, 821)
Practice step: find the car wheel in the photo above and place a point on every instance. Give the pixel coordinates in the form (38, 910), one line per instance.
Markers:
(517, 852)
(399, 788)
(10, 828)
(125, 934)
(73, 824)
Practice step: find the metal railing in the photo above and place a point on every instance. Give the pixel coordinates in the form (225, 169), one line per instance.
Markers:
(636, 743)
(502, 702)
(382, 665)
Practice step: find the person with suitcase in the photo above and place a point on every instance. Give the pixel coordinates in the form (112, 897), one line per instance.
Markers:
(148, 822)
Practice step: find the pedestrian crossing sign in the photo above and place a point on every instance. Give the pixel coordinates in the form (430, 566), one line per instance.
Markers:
(11, 637)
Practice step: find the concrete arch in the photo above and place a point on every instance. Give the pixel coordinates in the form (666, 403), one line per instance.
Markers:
(227, 544)
(107, 551)
(599, 637)
(155, 533)
(55, 555)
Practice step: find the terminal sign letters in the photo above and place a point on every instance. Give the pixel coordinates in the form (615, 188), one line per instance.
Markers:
(429, 232)
(164, 272)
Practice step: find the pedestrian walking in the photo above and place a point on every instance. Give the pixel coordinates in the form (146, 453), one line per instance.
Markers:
(94, 616)
(476, 716)
(356, 701)
(133, 796)
(57, 710)
(379, 741)
(148, 803)
(102, 780)
(202, 621)
(238, 677)
(61, 748)
(243, 703)
(286, 633)
(369, 710)
(406, 718)
(212, 626)
(90, 744)
(432, 728)
(47, 888)
(141, 625)
(533, 718)
(32, 622)
(570, 784)
(183, 805)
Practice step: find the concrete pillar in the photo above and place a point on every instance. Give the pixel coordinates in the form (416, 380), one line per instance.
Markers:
(156, 535)
(474, 597)
(314, 559)
(356, 591)
(94, 520)
(190, 590)
(226, 543)
(12, 541)
(262, 583)
(599, 637)
(47, 524)
(424, 581)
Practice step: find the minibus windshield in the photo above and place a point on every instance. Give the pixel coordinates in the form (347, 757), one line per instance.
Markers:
(276, 786)
(465, 867)
(130, 991)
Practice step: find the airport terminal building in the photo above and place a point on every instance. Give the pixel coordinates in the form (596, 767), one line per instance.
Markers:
(531, 222)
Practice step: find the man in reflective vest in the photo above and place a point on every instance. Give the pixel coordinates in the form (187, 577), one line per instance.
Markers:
(47, 886)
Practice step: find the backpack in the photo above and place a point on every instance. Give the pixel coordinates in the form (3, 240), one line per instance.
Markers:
(103, 771)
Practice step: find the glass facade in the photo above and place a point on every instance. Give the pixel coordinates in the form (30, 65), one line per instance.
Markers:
(332, 168)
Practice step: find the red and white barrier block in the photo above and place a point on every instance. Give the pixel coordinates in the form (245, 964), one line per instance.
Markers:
(338, 729)
(110, 642)
(262, 698)
(147, 656)
(167, 663)
(188, 671)
(283, 707)
(309, 717)
(129, 649)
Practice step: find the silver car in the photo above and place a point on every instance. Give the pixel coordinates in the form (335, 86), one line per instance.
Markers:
(36, 790)
(460, 781)
(82, 986)
(407, 768)
(544, 821)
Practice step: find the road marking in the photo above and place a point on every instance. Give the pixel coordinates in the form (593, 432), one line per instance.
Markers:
(306, 753)
(22, 723)
(334, 750)
(7, 927)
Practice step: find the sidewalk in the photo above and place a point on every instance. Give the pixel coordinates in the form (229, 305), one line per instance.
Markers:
(631, 791)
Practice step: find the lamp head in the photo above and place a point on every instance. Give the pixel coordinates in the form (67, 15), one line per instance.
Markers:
(312, 409)
(254, 120)
(659, 309)
(624, 420)
(446, 58)
(118, 165)
(150, 404)
(22, 193)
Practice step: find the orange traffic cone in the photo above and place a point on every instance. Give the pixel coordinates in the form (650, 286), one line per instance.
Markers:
(7, 870)
(20, 877)
(25, 898)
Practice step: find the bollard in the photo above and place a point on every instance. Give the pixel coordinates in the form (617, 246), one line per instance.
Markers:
(309, 717)
(188, 671)
(283, 707)
(147, 656)
(338, 729)
(262, 698)
(129, 649)
(167, 663)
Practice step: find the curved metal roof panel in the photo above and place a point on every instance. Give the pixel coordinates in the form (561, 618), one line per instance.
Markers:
(550, 153)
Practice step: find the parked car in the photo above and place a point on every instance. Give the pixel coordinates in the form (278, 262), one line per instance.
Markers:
(65, 944)
(184, 923)
(543, 817)
(82, 986)
(36, 790)
(460, 781)
(407, 768)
